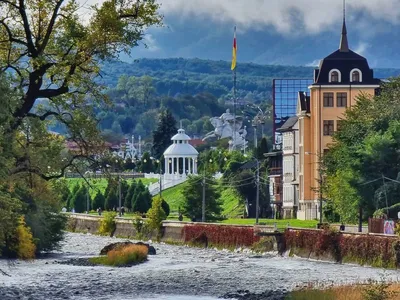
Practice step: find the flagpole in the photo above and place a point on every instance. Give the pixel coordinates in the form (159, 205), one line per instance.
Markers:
(234, 95)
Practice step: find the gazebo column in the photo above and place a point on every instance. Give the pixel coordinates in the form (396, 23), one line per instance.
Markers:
(189, 165)
(184, 166)
(173, 166)
(177, 165)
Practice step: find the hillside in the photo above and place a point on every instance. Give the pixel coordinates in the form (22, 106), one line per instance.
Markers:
(193, 89)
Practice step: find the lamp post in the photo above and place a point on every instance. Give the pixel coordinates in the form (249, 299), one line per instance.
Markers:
(258, 187)
(320, 186)
(203, 206)
(87, 194)
(119, 190)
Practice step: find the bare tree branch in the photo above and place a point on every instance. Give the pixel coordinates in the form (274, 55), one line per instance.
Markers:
(51, 26)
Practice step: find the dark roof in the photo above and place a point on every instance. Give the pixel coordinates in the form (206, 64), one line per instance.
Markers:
(345, 60)
(288, 124)
(304, 102)
(252, 164)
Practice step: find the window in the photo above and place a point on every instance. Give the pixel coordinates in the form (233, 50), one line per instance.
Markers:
(339, 124)
(328, 99)
(328, 127)
(341, 99)
(355, 77)
(335, 76)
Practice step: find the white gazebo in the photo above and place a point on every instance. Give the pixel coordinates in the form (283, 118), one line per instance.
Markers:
(180, 157)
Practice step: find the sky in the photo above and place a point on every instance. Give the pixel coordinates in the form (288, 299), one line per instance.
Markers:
(285, 16)
(191, 27)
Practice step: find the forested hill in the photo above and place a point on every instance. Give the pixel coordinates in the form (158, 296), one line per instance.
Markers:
(192, 76)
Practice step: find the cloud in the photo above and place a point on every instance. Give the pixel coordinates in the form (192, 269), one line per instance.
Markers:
(362, 48)
(151, 43)
(286, 16)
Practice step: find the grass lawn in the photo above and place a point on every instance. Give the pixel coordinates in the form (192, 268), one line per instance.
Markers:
(174, 197)
(279, 223)
(230, 203)
(100, 184)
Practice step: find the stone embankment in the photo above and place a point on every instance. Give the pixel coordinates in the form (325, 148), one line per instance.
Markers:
(175, 273)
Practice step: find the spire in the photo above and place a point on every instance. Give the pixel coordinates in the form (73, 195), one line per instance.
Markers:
(344, 44)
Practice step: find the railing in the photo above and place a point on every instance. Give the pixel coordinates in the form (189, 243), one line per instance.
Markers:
(106, 175)
(275, 171)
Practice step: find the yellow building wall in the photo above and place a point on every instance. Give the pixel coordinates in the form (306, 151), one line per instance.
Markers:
(314, 140)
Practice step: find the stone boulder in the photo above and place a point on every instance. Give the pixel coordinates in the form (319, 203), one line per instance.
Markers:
(113, 246)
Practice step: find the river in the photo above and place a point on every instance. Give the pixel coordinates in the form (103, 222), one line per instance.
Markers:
(175, 273)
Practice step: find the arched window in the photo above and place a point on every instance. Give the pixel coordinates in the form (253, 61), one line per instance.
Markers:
(334, 76)
(356, 75)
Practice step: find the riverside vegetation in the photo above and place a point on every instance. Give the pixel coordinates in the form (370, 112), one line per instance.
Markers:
(122, 257)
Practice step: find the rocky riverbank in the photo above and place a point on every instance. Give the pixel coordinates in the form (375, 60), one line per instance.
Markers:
(176, 272)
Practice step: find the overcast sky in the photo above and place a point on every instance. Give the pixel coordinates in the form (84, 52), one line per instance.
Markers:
(286, 16)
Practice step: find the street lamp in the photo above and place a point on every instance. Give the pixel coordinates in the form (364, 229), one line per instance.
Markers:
(119, 190)
(320, 186)
(87, 194)
(258, 187)
(203, 205)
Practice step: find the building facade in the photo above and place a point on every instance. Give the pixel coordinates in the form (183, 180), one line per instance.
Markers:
(338, 81)
(290, 167)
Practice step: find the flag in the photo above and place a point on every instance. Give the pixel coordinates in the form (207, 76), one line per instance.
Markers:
(234, 50)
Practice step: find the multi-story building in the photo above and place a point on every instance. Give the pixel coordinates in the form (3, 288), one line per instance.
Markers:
(340, 78)
(290, 167)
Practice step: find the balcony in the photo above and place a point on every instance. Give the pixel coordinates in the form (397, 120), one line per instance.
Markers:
(275, 171)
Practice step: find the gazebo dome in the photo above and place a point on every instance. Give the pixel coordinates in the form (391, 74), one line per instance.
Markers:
(180, 157)
(181, 136)
(181, 150)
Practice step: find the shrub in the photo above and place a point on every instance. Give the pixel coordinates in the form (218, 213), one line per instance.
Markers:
(124, 256)
(25, 248)
(362, 249)
(221, 236)
(377, 291)
(107, 223)
(156, 215)
(141, 227)
(47, 228)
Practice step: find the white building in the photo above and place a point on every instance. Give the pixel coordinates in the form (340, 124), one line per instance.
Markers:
(180, 157)
(290, 167)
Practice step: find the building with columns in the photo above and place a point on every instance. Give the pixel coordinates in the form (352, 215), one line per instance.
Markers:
(340, 78)
(181, 157)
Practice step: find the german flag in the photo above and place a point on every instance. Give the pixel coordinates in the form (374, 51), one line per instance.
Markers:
(234, 50)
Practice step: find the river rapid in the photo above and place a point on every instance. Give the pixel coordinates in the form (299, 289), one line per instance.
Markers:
(175, 273)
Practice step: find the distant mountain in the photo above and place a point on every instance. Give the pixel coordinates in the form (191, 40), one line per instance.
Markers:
(192, 76)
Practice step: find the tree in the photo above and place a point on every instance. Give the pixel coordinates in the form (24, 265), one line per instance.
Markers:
(141, 202)
(80, 200)
(98, 201)
(365, 149)
(111, 199)
(192, 193)
(156, 215)
(52, 52)
(70, 201)
(146, 163)
(261, 149)
(129, 195)
(166, 129)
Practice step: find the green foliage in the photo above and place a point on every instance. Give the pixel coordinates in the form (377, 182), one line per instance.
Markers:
(146, 165)
(377, 291)
(156, 215)
(166, 129)
(366, 148)
(107, 223)
(47, 227)
(192, 206)
(98, 201)
(142, 201)
(129, 195)
(165, 207)
(112, 198)
(79, 201)
(25, 248)
(10, 209)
